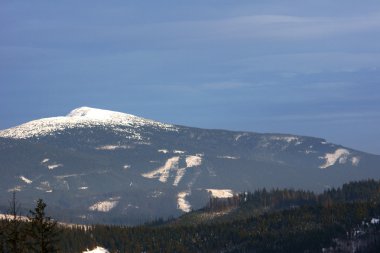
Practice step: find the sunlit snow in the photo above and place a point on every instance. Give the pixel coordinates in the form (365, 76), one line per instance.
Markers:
(26, 180)
(171, 165)
(192, 161)
(85, 117)
(227, 157)
(97, 250)
(54, 166)
(287, 139)
(340, 155)
(162, 173)
(182, 203)
(355, 161)
(221, 193)
(179, 175)
(45, 160)
(112, 147)
(105, 206)
(237, 137)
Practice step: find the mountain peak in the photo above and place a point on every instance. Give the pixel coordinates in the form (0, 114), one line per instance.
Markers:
(82, 117)
(95, 113)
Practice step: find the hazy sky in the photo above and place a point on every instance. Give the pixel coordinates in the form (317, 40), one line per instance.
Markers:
(288, 66)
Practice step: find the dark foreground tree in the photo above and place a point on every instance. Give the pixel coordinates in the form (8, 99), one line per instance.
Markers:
(14, 230)
(42, 231)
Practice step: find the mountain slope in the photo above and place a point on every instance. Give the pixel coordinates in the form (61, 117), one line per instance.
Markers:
(104, 166)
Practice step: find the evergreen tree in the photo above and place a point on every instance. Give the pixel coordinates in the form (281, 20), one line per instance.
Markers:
(43, 231)
(2, 239)
(14, 233)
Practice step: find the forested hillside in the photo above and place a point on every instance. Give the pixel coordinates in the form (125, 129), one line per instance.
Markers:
(337, 220)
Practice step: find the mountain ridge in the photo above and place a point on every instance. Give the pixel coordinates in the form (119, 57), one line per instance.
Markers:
(120, 168)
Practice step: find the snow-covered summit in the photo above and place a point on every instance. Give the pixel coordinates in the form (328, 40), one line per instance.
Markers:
(99, 114)
(83, 117)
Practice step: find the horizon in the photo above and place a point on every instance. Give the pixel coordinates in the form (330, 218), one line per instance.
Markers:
(308, 68)
(66, 115)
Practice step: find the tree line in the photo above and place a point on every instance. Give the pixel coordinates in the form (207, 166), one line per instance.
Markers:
(337, 220)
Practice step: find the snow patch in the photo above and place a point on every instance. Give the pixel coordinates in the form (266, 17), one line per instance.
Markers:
(221, 193)
(178, 177)
(54, 166)
(112, 147)
(162, 173)
(70, 175)
(182, 203)
(105, 206)
(287, 139)
(193, 161)
(97, 250)
(10, 217)
(165, 151)
(171, 165)
(26, 180)
(227, 157)
(45, 160)
(355, 160)
(340, 155)
(375, 221)
(238, 136)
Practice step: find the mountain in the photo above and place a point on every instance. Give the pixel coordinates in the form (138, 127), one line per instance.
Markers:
(96, 165)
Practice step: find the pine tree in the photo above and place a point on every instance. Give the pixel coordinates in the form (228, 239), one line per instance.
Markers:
(43, 231)
(13, 232)
(2, 239)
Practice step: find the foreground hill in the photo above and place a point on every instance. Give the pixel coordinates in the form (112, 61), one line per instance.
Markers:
(101, 166)
(339, 220)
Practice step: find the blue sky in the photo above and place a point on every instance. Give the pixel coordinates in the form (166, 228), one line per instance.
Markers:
(309, 67)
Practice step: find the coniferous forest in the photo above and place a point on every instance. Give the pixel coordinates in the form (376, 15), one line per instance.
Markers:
(338, 220)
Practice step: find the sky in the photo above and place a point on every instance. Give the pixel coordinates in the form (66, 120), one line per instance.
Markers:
(306, 67)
